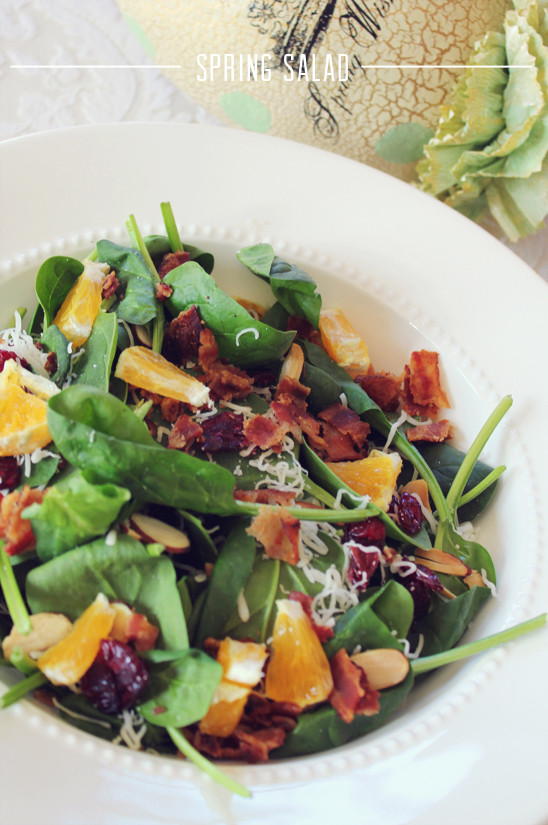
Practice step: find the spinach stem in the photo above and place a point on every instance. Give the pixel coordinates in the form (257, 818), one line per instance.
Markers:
(142, 409)
(159, 320)
(464, 651)
(318, 492)
(481, 486)
(171, 228)
(14, 600)
(469, 461)
(21, 689)
(201, 762)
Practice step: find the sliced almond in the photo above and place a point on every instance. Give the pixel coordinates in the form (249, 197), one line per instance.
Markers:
(293, 365)
(156, 531)
(474, 579)
(384, 667)
(143, 335)
(441, 562)
(128, 530)
(419, 488)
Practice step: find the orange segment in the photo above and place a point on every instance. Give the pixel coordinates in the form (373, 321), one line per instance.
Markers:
(150, 371)
(66, 662)
(374, 476)
(242, 662)
(23, 425)
(226, 709)
(299, 670)
(78, 312)
(342, 342)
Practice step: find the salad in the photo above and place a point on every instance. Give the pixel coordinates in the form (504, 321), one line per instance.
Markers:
(225, 532)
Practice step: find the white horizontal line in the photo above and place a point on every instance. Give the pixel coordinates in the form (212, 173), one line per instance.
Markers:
(79, 66)
(440, 66)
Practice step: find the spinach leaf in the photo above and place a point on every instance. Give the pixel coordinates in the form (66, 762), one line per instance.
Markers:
(124, 571)
(181, 693)
(225, 318)
(99, 434)
(323, 729)
(54, 341)
(139, 304)
(276, 316)
(447, 621)
(73, 512)
(158, 246)
(53, 282)
(293, 288)
(228, 579)
(370, 624)
(94, 366)
(202, 548)
(43, 471)
(260, 593)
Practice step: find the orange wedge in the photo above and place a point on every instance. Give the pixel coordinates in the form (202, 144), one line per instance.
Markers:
(23, 425)
(374, 476)
(78, 312)
(298, 670)
(342, 342)
(150, 371)
(226, 709)
(66, 662)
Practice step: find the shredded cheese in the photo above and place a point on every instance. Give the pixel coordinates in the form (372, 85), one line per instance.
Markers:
(242, 606)
(254, 331)
(20, 343)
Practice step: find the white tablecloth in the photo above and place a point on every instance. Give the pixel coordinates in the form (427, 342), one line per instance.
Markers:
(92, 33)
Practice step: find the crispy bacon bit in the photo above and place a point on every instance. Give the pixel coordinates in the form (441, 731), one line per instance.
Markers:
(266, 496)
(291, 392)
(436, 431)
(346, 421)
(182, 337)
(226, 382)
(322, 631)
(278, 532)
(304, 329)
(184, 433)
(383, 388)
(245, 744)
(337, 446)
(262, 712)
(51, 363)
(424, 379)
(170, 409)
(224, 431)
(110, 285)
(15, 530)
(208, 351)
(151, 396)
(410, 406)
(351, 693)
(265, 432)
(163, 291)
(171, 261)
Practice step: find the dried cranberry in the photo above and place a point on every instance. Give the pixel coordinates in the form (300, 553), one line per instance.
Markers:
(420, 584)
(369, 533)
(6, 355)
(362, 565)
(410, 514)
(223, 432)
(10, 473)
(116, 678)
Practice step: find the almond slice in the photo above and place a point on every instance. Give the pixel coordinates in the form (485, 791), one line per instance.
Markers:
(384, 667)
(474, 579)
(441, 562)
(293, 364)
(419, 488)
(143, 335)
(154, 530)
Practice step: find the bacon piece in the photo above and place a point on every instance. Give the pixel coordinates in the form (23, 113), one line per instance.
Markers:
(383, 388)
(348, 422)
(278, 532)
(436, 431)
(184, 433)
(351, 693)
(208, 351)
(226, 382)
(322, 631)
(15, 530)
(424, 379)
(224, 431)
(304, 329)
(266, 496)
(337, 446)
(291, 392)
(171, 261)
(163, 291)
(245, 744)
(410, 406)
(110, 285)
(170, 409)
(182, 337)
(261, 712)
(265, 432)
(151, 396)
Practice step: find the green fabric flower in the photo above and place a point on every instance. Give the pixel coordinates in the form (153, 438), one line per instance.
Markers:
(490, 149)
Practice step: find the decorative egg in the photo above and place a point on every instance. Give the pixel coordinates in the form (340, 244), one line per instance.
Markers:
(363, 78)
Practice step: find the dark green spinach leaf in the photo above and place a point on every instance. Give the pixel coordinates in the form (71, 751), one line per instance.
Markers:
(139, 304)
(94, 366)
(54, 280)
